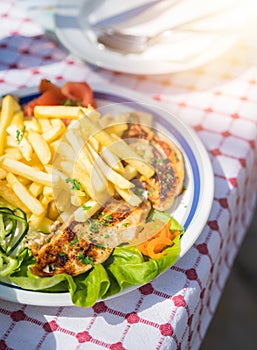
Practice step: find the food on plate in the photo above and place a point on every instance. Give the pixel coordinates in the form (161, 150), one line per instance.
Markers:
(71, 93)
(167, 182)
(77, 246)
(84, 196)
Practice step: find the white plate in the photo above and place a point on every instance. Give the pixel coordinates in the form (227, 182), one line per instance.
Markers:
(183, 51)
(192, 207)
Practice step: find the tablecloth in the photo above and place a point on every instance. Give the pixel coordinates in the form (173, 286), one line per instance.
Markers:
(219, 101)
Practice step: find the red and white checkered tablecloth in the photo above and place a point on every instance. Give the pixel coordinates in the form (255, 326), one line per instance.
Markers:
(219, 101)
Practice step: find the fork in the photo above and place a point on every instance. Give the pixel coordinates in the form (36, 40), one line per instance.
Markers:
(131, 43)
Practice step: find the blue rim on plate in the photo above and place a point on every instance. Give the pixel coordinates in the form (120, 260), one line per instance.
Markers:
(197, 164)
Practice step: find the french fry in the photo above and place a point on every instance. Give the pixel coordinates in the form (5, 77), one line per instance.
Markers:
(24, 195)
(8, 194)
(94, 143)
(48, 191)
(54, 146)
(35, 189)
(77, 200)
(62, 112)
(129, 196)
(122, 150)
(91, 129)
(52, 211)
(2, 173)
(29, 172)
(40, 146)
(58, 128)
(45, 200)
(112, 160)
(67, 167)
(63, 201)
(12, 152)
(117, 129)
(97, 180)
(106, 120)
(45, 124)
(32, 124)
(10, 141)
(80, 173)
(75, 140)
(40, 222)
(34, 162)
(58, 123)
(111, 188)
(129, 172)
(18, 120)
(65, 149)
(88, 209)
(9, 107)
(109, 173)
(26, 182)
(21, 141)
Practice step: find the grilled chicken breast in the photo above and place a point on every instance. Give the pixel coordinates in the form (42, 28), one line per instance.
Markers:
(75, 247)
(167, 160)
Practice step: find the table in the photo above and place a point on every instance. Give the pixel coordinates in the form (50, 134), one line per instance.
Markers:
(219, 101)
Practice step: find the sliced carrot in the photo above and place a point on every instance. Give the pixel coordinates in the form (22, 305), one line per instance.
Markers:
(154, 247)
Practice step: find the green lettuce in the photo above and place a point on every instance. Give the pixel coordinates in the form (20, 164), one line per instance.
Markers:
(126, 267)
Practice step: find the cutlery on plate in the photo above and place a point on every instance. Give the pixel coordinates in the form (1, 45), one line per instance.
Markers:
(131, 43)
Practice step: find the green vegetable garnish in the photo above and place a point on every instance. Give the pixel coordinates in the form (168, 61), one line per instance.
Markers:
(20, 135)
(76, 185)
(85, 259)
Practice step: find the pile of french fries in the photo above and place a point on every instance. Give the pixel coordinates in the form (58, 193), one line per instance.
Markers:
(51, 169)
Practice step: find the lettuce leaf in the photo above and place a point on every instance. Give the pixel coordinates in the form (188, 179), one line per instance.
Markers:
(129, 267)
(124, 268)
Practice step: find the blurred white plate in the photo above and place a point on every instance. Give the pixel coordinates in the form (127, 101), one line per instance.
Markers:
(183, 51)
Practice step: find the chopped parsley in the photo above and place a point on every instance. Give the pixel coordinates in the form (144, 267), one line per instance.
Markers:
(62, 254)
(20, 135)
(85, 259)
(74, 241)
(93, 227)
(71, 102)
(108, 218)
(76, 185)
(97, 245)
(68, 102)
(86, 207)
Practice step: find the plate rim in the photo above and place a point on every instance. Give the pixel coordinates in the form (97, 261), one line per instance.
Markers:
(17, 294)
